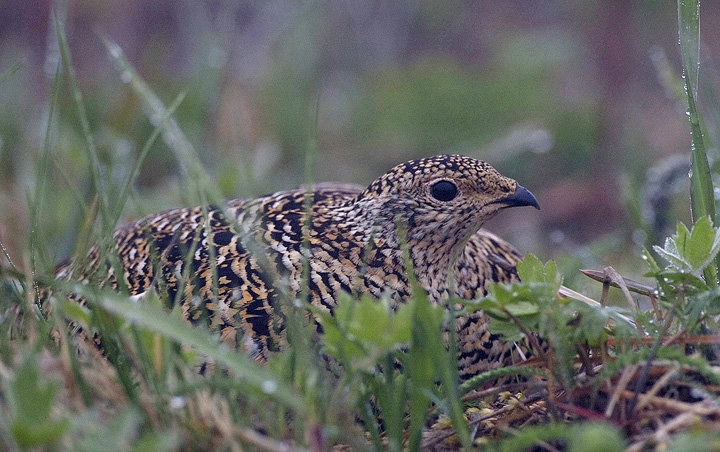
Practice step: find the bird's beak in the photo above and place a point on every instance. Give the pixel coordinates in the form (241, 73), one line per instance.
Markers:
(521, 197)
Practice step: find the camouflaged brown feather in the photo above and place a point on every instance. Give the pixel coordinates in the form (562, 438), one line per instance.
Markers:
(254, 249)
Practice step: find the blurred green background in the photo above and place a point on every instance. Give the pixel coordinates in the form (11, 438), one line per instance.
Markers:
(577, 100)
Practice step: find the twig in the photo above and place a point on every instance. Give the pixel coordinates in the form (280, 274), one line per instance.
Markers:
(538, 442)
(632, 286)
(656, 308)
(614, 276)
(659, 384)
(662, 435)
(627, 374)
(651, 356)
(507, 408)
(580, 411)
(701, 339)
(699, 408)
(264, 442)
(476, 395)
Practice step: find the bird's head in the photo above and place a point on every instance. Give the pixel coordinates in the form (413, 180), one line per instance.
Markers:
(443, 199)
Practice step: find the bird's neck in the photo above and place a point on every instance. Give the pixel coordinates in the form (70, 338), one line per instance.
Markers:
(433, 250)
(433, 258)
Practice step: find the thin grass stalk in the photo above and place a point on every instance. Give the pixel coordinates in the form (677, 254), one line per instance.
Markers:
(430, 342)
(185, 153)
(156, 319)
(701, 186)
(157, 130)
(91, 149)
(9, 71)
(36, 201)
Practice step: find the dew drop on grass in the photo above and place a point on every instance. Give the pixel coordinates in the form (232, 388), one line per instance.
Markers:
(126, 76)
(114, 50)
(639, 236)
(176, 403)
(269, 386)
(217, 57)
(557, 236)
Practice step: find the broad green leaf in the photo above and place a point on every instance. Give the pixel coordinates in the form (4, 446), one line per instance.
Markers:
(552, 276)
(77, 312)
(701, 186)
(595, 437)
(531, 269)
(522, 308)
(652, 265)
(681, 238)
(670, 253)
(401, 327)
(705, 246)
(9, 71)
(370, 322)
(692, 250)
(689, 31)
(29, 434)
(700, 241)
(691, 283)
(510, 331)
(31, 402)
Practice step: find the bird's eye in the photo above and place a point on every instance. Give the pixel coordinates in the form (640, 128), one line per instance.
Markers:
(444, 190)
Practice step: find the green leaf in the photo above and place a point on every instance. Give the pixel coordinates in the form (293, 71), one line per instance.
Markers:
(365, 328)
(689, 31)
(531, 269)
(31, 402)
(121, 433)
(696, 246)
(28, 434)
(701, 185)
(9, 71)
(522, 308)
(691, 283)
(694, 250)
(671, 254)
(595, 437)
(594, 319)
(77, 312)
(704, 244)
(509, 330)
(652, 265)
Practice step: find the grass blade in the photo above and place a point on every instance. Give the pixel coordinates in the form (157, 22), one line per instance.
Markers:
(701, 186)
(156, 319)
(689, 30)
(9, 71)
(185, 153)
(125, 193)
(92, 152)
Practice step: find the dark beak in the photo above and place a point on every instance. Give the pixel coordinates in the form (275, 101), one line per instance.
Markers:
(521, 197)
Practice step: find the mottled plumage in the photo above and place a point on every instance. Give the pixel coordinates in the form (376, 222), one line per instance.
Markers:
(257, 247)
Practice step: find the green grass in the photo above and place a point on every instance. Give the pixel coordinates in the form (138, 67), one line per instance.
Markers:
(397, 386)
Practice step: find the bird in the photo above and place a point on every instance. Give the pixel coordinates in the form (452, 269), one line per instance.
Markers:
(230, 266)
